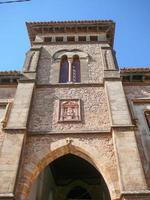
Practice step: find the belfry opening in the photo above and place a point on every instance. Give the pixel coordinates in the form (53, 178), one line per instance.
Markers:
(69, 178)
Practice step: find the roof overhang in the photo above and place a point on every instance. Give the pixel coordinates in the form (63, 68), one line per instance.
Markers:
(76, 27)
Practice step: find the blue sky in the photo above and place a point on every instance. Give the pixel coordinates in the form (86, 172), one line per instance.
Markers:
(132, 17)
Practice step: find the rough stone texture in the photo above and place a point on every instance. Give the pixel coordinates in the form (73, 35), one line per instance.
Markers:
(130, 167)
(2, 136)
(142, 134)
(7, 92)
(118, 105)
(95, 65)
(138, 91)
(42, 150)
(19, 113)
(45, 110)
(137, 196)
(9, 160)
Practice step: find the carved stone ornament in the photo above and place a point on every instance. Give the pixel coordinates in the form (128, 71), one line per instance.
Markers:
(69, 110)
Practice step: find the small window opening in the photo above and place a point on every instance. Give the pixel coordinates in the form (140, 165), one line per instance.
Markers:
(71, 39)
(93, 38)
(147, 78)
(82, 38)
(47, 39)
(137, 78)
(126, 78)
(75, 76)
(59, 39)
(64, 69)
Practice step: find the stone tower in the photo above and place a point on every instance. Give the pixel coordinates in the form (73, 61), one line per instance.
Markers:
(67, 130)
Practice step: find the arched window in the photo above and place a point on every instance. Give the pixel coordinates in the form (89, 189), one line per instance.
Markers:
(75, 69)
(64, 69)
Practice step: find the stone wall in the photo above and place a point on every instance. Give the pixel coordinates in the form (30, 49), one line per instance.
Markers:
(45, 110)
(41, 150)
(95, 65)
(7, 92)
(138, 99)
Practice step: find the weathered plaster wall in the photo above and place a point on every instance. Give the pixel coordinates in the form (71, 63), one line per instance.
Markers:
(7, 92)
(142, 133)
(45, 109)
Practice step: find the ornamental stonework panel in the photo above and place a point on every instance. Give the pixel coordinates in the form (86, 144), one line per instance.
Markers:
(69, 110)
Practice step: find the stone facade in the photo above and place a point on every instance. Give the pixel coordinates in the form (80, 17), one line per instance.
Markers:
(99, 119)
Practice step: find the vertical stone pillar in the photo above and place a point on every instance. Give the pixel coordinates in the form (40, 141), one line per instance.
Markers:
(13, 140)
(131, 175)
(20, 109)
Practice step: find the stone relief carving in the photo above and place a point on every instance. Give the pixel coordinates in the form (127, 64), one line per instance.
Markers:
(69, 110)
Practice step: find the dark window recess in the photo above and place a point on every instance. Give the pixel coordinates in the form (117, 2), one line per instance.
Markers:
(47, 39)
(59, 29)
(147, 78)
(93, 38)
(64, 70)
(126, 78)
(75, 69)
(137, 78)
(59, 39)
(70, 39)
(14, 80)
(82, 38)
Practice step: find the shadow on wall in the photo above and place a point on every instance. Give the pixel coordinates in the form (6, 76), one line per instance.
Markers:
(44, 66)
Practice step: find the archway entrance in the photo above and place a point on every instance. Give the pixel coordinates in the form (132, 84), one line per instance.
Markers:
(69, 178)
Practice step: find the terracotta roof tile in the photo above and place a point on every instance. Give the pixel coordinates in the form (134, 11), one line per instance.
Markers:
(135, 70)
(35, 28)
(10, 73)
(69, 22)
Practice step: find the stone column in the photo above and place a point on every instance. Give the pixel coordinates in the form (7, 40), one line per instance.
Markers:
(14, 139)
(130, 171)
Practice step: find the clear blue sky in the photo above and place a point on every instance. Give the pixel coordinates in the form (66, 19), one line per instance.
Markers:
(132, 17)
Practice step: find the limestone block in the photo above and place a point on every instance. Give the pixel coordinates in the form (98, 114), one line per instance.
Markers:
(20, 109)
(111, 74)
(117, 102)
(130, 167)
(9, 160)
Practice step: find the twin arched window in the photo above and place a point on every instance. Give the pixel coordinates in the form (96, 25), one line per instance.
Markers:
(69, 69)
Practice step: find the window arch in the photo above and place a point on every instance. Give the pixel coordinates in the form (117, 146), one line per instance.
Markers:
(75, 72)
(64, 69)
(69, 70)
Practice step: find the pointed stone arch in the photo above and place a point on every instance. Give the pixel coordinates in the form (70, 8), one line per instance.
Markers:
(38, 163)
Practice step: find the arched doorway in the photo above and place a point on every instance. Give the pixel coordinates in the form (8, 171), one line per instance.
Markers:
(69, 178)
